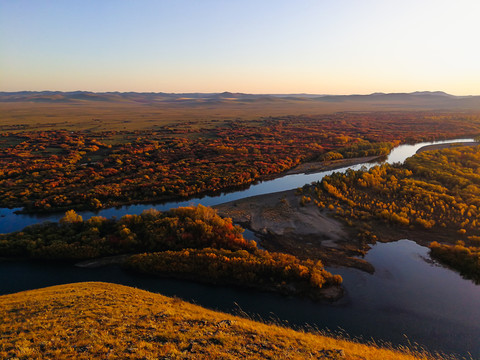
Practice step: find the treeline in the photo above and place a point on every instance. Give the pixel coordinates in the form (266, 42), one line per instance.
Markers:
(188, 242)
(361, 148)
(260, 269)
(436, 191)
(466, 259)
(61, 170)
(75, 239)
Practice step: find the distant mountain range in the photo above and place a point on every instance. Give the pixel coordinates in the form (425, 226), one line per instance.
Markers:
(421, 99)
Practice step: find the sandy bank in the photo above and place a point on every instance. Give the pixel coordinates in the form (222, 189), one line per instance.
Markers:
(285, 225)
(318, 166)
(281, 214)
(445, 146)
(104, 261)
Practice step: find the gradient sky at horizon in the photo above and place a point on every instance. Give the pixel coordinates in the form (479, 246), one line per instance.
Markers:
(269, 46)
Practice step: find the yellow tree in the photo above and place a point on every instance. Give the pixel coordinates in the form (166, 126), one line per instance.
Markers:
(71, 217)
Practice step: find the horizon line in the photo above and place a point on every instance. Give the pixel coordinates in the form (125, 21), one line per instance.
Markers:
(242, 93)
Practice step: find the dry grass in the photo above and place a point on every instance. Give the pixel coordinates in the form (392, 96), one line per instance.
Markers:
(106, 321)
(103, 115)
(100, 116)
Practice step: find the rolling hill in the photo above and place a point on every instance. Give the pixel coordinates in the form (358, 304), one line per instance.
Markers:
(100, 321)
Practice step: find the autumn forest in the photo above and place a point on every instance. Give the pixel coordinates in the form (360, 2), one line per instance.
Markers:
(239, 180)
(59, 170)
(433, 195)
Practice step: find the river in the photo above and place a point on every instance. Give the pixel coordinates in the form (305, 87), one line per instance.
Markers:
(10, 221)
(408, 295)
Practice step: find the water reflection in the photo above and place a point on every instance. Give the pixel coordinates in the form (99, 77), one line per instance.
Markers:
(436, 307)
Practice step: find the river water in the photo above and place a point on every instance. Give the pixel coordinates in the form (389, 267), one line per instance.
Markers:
(9, 221)
(409, 298)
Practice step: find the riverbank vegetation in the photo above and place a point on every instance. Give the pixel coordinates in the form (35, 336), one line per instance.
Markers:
(99, 321)
(263, 270)
(189, 242)
(57, 170)
(465, 259)
(433, 195)
(75, 239)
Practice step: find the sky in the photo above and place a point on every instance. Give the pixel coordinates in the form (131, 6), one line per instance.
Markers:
(250, 46)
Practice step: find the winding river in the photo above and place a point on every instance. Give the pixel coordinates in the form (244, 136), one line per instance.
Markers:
(409, 299)
(9, 221)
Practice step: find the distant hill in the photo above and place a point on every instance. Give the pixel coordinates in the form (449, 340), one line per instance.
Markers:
(413, 97)
(108, 321)
(133, 110)
(436, 99)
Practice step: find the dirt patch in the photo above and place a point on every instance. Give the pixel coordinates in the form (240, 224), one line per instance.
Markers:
(281, 214)
(284, 225)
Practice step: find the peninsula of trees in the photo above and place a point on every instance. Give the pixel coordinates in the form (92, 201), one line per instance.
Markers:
(191, 242)
(434, 195)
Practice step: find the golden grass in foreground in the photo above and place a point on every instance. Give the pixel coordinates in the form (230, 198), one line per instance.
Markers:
(105, 321)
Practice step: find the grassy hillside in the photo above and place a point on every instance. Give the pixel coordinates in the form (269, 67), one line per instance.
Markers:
(100, 321)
